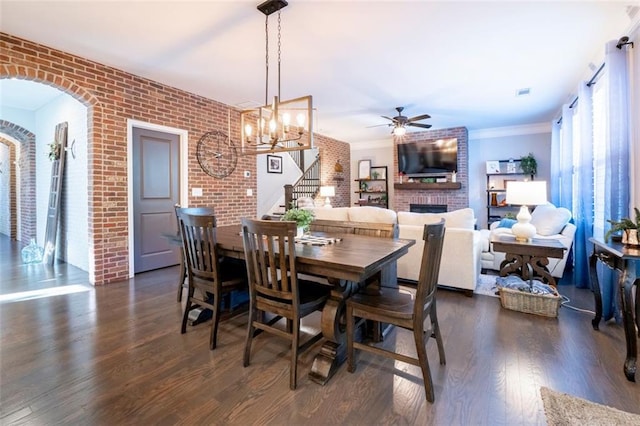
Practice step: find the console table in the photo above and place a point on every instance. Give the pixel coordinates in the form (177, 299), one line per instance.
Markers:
(528, 259)
(621, 258)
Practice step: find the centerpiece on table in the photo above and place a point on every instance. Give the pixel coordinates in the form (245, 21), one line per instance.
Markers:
(628, 227)
(301, 217)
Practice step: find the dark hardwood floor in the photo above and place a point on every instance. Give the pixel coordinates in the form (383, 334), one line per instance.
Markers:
(114, 355)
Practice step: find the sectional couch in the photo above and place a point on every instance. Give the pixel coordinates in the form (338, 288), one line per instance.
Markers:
(460, 264)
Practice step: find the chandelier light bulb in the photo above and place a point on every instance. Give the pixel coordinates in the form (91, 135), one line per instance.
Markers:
(248, 131)
(399, 131)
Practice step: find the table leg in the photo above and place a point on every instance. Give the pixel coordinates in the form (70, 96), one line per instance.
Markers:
(595, 287)
(333, 352)
(626, 284)
(637, 285)
(527, 267)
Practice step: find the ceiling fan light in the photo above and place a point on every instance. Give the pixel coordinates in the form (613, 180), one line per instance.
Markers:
(399, 131)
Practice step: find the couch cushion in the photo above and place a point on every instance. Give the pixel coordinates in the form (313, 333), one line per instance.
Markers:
(549, 219)
(462, 218)
(336, 213)
(372, 215)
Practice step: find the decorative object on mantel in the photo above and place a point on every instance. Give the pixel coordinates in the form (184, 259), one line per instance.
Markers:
(301, 217)
(528, 164)
(274, 130)
(627, 227)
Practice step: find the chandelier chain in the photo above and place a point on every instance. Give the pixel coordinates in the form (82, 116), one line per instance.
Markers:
(266, 61)
(279, 50)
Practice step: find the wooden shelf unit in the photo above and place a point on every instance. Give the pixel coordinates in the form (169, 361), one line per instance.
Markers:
(374, 190)
(509, 171)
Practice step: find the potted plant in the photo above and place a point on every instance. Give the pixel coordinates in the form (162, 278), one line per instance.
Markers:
(301, 217)
(628, 227)
(528, 164)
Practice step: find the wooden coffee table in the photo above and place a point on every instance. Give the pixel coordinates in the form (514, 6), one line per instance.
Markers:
(527, 259)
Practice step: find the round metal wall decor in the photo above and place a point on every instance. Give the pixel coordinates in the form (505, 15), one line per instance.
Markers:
(217, 154)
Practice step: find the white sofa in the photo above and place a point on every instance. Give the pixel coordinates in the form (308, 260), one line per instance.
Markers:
(550, 223)
(460, 264)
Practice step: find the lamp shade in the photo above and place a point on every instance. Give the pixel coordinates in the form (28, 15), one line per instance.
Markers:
(327, 191)
(527, 193)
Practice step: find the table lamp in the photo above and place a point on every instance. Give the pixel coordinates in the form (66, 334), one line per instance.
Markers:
(327, 191)
(525, 193)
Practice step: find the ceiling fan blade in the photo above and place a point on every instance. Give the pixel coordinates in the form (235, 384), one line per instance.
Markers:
(389, 118)
(378, 125)
(424, 126)
(419, 117)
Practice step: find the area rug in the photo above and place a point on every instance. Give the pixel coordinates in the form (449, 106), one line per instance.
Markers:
(567, 410)
(486, 285)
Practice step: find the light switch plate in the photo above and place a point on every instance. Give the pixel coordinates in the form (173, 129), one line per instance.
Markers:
(249, 192)
(196, 192)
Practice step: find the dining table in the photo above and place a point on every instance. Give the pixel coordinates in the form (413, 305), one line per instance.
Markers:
(345, 262)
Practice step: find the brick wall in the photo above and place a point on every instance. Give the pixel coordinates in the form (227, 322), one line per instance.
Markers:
(27, 164)
(112, 96)
(332, 150)
(454, 199)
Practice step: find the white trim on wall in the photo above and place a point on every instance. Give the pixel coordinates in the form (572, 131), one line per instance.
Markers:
(184, 171)
(498, 132)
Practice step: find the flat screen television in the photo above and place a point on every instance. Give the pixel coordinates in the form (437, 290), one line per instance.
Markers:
(428, 157)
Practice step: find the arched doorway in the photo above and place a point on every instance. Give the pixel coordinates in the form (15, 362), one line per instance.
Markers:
(31, 131)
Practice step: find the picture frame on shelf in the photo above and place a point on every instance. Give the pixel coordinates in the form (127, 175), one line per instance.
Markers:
(493, 167)
(379, 173)
(274, 164)
(364, 169)
(511, 166)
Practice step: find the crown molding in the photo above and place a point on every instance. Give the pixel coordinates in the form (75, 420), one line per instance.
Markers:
(497, 132)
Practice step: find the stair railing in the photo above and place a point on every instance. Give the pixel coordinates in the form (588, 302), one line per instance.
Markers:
(307, 185)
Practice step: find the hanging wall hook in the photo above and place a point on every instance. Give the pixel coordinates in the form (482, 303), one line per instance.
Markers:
(72, 149)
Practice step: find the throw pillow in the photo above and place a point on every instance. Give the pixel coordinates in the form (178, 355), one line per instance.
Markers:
(549, 219)
(506, 223)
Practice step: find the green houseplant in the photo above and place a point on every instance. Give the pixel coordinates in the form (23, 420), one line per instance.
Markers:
(628, 227)
(301, 217)
(528, 164)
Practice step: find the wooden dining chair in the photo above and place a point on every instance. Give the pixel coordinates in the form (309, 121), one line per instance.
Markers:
(200, 211)
(401, 309)
(210, 277)
(274, 287)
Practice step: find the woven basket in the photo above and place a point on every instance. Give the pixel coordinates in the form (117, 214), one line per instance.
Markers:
(539, 304)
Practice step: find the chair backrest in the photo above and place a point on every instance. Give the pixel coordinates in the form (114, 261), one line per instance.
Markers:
(199, 243)
(433, 237)
(271, 261)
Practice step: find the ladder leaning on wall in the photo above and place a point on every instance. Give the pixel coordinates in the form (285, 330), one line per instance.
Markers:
(57, 154)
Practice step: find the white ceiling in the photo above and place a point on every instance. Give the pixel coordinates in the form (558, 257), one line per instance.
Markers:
(460, 62)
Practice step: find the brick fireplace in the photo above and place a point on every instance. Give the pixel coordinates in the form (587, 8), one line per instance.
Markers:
(437, 194)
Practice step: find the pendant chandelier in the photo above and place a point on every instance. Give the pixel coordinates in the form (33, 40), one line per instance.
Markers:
(282, 125)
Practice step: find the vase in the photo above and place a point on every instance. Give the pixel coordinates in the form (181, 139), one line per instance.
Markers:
(630, 237)
(300, 232)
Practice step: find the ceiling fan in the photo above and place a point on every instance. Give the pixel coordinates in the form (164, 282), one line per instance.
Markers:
(401, 122)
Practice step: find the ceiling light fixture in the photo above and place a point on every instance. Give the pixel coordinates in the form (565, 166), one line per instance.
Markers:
(399, 130)
(269, 128)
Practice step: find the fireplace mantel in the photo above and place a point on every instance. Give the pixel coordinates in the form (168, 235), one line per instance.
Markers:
(421, 185)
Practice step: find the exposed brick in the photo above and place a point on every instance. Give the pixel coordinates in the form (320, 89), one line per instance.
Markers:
(112, 96)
